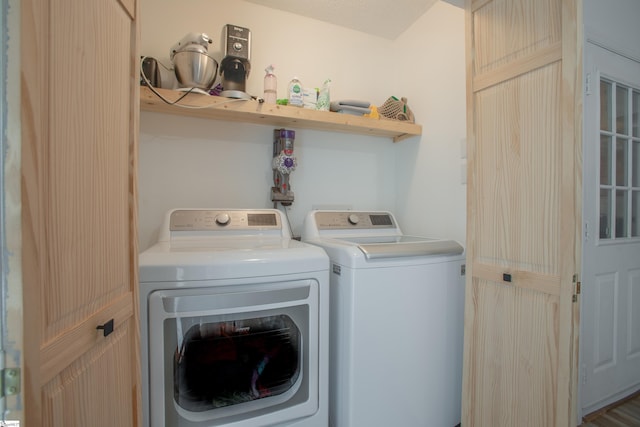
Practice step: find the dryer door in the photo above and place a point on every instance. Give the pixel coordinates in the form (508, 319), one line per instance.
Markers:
(242, 353)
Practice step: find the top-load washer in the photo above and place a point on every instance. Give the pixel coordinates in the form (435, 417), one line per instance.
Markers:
(234, 323)
(396, 321)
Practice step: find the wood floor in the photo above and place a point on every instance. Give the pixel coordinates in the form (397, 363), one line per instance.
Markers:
(624, 414)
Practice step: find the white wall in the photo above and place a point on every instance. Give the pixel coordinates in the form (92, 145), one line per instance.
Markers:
(188, 162)
(431, 196)
(613, 24)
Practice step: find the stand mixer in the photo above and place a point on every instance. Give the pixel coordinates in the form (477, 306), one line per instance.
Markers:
(235, 66)
(194, 68)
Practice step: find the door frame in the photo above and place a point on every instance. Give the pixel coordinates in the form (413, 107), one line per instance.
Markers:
(10, 204)
(3, 252)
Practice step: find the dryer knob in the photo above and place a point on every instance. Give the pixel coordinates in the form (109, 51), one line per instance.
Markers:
(223, 219)
(354, 219)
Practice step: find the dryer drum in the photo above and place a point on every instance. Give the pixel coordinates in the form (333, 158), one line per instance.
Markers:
(227, 363)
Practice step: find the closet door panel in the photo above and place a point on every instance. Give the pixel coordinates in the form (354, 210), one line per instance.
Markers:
(522, 244)
(517, 172)
(513, 383)
(80, 86)
(87, 164)
(102, 373)
(505, 31)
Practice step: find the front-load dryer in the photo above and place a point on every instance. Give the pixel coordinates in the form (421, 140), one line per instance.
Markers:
(233, 322)
(396, 322)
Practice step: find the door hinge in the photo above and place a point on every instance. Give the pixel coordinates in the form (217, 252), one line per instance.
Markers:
(576, 280)
(586, 232)
(10, 382)
(587, 84)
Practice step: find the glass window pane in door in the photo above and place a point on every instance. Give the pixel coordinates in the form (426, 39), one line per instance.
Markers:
(621, 213)
(621, 162)
(635, 164)
(635, 214)
(605, 213)
(606, 110)
(622, 110)
(636, 113)
(605, 160)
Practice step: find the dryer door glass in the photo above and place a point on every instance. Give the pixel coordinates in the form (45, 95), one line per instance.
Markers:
(226, 363)
(224, 355)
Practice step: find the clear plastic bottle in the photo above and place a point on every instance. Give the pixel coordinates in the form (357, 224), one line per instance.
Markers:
(295, 94)
(270, 86)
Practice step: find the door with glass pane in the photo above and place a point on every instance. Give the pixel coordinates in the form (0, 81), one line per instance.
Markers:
(610, 344)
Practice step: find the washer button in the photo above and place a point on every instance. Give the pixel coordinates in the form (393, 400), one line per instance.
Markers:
(354, 219)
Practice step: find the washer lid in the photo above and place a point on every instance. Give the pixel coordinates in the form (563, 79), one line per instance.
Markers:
(404, 246)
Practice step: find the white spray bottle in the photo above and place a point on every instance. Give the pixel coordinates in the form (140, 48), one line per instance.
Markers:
(270, 86)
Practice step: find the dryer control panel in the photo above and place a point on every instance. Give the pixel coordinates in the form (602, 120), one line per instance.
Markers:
(214, 219)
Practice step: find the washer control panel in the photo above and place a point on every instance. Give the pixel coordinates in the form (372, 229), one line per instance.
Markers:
(215, 220)
(334, 220)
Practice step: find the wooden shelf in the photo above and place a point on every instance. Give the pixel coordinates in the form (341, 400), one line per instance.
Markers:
(218, 108)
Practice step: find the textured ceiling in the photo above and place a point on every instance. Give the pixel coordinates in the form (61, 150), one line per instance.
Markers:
(383, 18)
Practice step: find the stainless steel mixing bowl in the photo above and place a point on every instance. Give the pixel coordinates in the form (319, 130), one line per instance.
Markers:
(195, 69)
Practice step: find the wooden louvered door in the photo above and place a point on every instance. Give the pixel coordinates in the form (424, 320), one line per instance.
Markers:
(79, 148)
(523, 240)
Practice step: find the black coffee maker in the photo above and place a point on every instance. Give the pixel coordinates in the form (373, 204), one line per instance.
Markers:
(235, 66)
